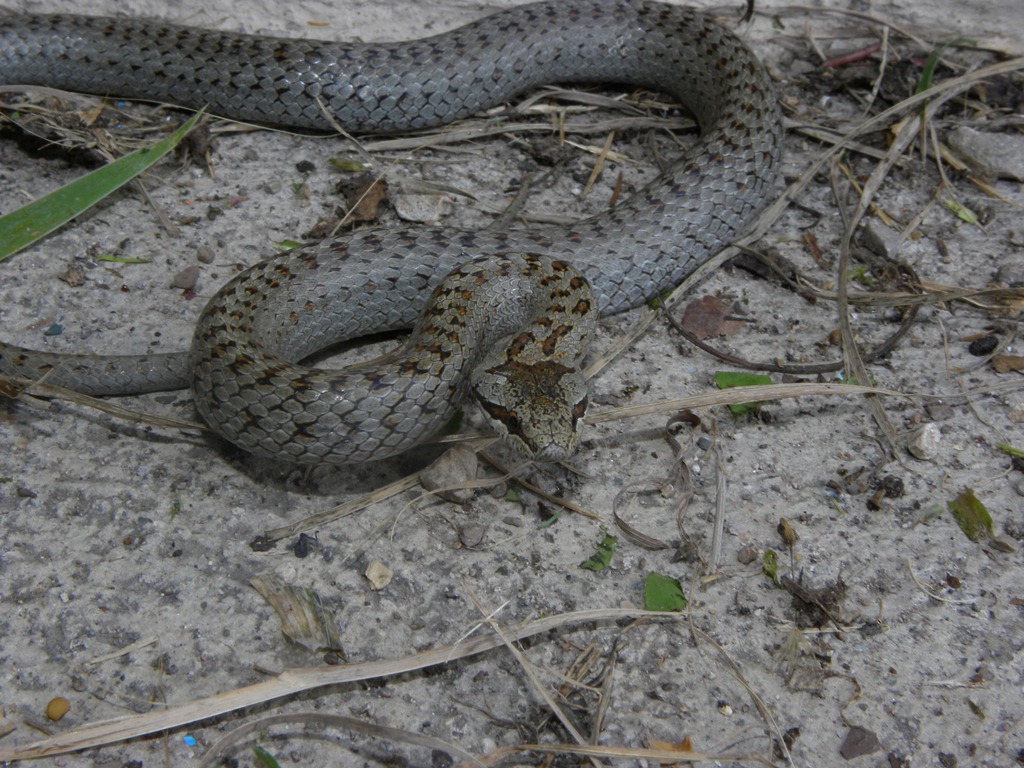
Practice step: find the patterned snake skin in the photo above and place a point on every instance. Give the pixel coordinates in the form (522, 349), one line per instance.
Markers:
(243, 364)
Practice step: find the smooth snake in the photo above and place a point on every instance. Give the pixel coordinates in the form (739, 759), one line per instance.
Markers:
(517, 285)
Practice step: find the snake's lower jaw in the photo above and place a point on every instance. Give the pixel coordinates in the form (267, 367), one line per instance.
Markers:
(555, 452)
(547, 448)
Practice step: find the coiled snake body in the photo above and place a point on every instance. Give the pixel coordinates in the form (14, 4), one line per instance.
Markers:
(520, 286)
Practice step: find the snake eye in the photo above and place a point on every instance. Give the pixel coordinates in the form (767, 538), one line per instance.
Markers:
(508, 419)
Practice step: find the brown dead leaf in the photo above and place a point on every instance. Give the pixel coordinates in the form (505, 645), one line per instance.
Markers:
(91, 115)
(74, 275)
(707, 317)
(305, 618)
(364, 203)
(811, 242)
(8, 388)
(787, 532)
(1007, 363)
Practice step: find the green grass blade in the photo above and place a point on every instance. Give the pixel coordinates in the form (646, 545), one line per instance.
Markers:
(21, 228)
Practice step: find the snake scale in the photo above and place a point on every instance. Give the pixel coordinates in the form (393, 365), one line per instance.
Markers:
(513, 307)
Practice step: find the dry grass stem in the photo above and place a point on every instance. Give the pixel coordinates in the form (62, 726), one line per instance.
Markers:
(292, 681)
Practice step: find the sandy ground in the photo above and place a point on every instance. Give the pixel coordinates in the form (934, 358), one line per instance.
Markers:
(124, 537)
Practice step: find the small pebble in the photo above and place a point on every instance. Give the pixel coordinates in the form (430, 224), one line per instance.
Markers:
(472, 534)
(925, 441)
(422, 209)
(859, 741)
(1016, 413)
(186, 279)
(454, 467)
(378, 574)
(57, 708)
(880, 239)
(747, 554)
(997, 155)
(939, 411)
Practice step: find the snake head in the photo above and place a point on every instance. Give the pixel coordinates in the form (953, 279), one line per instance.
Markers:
(536, 408)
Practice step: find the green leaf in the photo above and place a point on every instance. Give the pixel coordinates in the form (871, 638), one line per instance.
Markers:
(663, 593)
(770, 565)
(1016, 453)
(928, 71)
(927, 78)
(930, 515)
(123, 259)
(971, 515)
(960, 210)
(862, 274)
(20, 228)
(348, 165)
(549, 521)
(265, 759)
(514, 493)
(602, 556)
(730, 379)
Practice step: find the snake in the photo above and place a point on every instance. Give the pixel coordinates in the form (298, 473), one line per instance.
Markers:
(502, 317)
